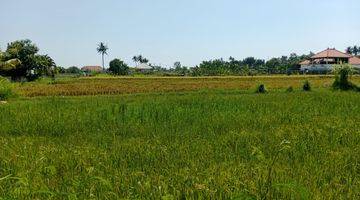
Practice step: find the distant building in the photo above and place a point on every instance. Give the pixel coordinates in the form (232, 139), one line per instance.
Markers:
(355, 62)
(143, 67)
(89, 69)
(325, 60)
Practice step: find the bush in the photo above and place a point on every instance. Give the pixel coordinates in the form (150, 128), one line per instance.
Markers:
(73, 70)
(261, 89)
(118, 67)
(307, 86)
(290, 89)
(342, 74)
(6, 89)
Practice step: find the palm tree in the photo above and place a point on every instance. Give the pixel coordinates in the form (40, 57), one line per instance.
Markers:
(144, 60)
(136, 60)
(356, 50)
(102, 49)
(140, 58)
(349, 50)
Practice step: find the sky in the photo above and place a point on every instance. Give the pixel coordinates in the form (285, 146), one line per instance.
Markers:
(189, 31)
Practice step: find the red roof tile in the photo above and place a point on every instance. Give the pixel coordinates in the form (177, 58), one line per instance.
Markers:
(354, 60)
(91, 68)
(331, 53)
(305, 62)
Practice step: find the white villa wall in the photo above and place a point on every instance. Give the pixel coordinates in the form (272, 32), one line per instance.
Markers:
(321, 67)
(316, 67)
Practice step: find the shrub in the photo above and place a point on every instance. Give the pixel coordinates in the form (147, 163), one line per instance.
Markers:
(118, 67)
(261, 89)
(307, 86)
(6, 89)
(290, 89)
(342, 74)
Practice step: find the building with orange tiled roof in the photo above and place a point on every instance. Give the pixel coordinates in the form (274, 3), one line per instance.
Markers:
(91, 69)
(325, 60)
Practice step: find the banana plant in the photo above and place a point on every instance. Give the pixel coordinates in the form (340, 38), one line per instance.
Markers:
(10, 64)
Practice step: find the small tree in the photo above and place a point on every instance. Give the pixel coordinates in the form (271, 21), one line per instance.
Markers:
(118, 67)
(307, 86)
(73, 70)
(261, 89)
(6, 89)
(342, 73)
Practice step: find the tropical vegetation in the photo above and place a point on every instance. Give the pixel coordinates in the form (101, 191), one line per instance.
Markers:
(210, 144)
(103, 50)
(21, 60)
(118, 67)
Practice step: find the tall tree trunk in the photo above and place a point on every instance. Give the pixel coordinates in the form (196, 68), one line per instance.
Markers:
(103, 62)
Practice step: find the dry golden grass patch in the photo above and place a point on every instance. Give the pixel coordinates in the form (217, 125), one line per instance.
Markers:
(128, 85)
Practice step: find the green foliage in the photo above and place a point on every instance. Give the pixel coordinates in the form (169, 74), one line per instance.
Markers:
(140, 59)
(7, 64)
(290, 89)
(261, 89)
(342, 74)
(179, 69)
(73, 70)
(44, 65)
(355, 50)
(249, 66)
(6, 89)
(102, 49)
(21, 59)
(118, 67)
(206, 145)
(307, 86)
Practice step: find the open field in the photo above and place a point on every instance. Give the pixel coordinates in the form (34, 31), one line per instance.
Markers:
(111, 86)
(219, 144)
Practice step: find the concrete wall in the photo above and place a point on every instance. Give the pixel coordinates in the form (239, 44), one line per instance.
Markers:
(321, 67)
(316, 67)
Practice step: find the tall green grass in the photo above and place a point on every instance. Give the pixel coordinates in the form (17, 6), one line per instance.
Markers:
(218, 145)
(6, 89)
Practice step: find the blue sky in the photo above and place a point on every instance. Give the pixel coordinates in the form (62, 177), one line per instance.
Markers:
(189, 31)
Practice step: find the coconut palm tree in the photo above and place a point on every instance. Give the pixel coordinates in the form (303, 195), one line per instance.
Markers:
(102, 49)
(140, 58)
(349, 50)
(356, 50)
(144, 60)
(136, 60)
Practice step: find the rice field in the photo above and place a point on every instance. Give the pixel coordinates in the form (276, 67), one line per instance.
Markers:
(130, 85)
(216, 140)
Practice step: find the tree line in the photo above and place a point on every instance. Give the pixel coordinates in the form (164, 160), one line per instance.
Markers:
(353, 50)
(22, 60)
(217, 67)
(250, 66)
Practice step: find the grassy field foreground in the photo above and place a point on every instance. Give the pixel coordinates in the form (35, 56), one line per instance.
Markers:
(199, 145)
